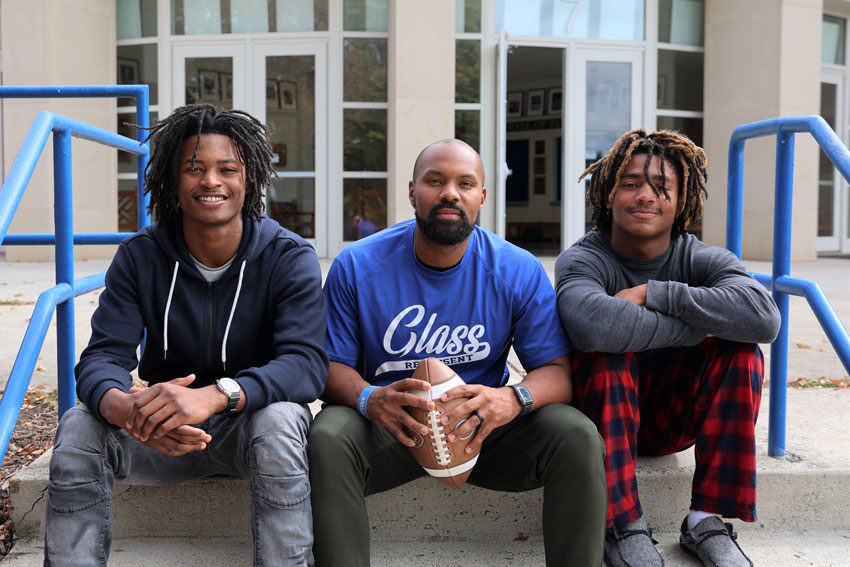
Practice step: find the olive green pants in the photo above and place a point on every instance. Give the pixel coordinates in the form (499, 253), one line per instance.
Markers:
(555, 447)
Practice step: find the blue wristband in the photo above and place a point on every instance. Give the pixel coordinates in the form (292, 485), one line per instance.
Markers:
(363, 400)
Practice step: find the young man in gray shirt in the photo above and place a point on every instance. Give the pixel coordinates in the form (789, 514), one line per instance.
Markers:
(668, 328)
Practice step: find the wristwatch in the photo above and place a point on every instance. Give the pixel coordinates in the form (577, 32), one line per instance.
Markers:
(230, 388)
(524, 397)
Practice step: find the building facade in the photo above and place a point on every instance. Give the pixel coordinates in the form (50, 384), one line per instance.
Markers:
(353, 89)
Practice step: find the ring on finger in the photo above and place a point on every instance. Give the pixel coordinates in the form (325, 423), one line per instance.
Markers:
(479, 416)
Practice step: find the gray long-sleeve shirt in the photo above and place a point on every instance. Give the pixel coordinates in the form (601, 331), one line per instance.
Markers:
(693, 290)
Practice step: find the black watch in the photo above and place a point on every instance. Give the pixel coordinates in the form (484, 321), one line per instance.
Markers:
(230, 388)
(524, 397)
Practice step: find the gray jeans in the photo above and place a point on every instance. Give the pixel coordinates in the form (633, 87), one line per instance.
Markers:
(267, 445)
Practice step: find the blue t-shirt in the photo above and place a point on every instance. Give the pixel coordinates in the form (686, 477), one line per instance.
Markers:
(387, 312)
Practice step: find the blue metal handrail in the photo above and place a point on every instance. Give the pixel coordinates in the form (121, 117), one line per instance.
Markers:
(780, 282)
(60, 297)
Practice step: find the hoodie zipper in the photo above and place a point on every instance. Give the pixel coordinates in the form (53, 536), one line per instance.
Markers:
(209, 348)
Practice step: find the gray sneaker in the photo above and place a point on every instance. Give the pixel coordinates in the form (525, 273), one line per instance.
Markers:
(631, 546)
(713, 542)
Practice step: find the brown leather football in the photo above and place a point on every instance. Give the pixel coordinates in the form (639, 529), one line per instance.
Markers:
(448, 462)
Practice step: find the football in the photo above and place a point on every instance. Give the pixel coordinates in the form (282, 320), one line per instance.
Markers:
(448, 462)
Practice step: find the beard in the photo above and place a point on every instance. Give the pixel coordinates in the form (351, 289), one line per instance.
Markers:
(446, 233)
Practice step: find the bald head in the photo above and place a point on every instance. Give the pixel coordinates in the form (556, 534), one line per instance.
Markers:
(457, 145)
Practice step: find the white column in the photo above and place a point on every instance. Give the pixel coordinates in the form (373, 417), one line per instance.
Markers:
(421, 90)
(61, 42)
(762, 60)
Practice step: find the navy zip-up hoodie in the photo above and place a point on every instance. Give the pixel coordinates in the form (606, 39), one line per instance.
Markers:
(270, 336)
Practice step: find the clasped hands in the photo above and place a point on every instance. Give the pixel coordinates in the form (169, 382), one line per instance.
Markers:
(497, 406)
(164, 415)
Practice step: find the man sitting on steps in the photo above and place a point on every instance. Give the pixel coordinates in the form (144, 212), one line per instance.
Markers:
(439, 286)
(231, 307)
(668, 327)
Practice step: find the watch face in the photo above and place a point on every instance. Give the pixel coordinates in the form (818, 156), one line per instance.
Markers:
(229, 384)
(523, 395)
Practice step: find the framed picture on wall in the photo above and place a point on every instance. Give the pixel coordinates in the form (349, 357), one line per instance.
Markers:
(227, 87)
(536, 100)
(192, 95)
(128, 71)
(209, 85)
(514, 104)
(272, 95)
(556, 100)
(288, 95)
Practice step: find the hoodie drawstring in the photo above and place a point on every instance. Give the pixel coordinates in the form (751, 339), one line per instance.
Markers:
(230, 319)
(167, 309)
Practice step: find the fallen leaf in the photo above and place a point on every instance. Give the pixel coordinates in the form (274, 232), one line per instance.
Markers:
(521, 538)
(41, 368)
(803, 345)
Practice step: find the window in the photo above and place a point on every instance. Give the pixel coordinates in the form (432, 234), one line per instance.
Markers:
(365, 15)
(834, 31)
(136, 64)
(681, 21)
(135, 19)
(468, 72)
(194, 17)
(601, 19)
(680, 82)
(364, 129)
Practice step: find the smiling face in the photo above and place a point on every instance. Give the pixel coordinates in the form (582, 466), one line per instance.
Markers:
(211, 188)
(642, 221)
(447, 192)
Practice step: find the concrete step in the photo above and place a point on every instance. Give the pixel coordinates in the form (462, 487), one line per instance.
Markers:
(765, 549)
(803, 502)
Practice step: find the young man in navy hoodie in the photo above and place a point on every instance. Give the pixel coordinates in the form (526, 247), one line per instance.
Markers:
(231, 309)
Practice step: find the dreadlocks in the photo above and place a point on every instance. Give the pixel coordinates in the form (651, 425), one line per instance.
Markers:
(688, 159)
(167, 136)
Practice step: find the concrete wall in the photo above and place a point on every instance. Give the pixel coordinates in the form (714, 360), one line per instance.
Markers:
(421, 90)
(761, 61)
(61, 42)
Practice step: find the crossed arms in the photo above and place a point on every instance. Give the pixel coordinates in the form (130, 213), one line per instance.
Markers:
(601, 313)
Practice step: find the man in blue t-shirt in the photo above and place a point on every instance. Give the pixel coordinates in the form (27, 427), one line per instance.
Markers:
(442, 287)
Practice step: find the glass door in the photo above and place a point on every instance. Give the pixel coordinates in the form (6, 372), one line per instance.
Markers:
(533, 122)
(608, 102)
(211, 73)
(290, 96)
(833, 208)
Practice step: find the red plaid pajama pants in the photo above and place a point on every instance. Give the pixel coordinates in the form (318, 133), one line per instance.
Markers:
(663, 402)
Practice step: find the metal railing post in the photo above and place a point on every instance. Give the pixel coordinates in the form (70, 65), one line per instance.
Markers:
(143, 120)
(735, 197)
(781, 267)
(780, 283)
(60, 298)
(64, 227)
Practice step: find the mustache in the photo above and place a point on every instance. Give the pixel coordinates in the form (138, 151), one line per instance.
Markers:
(444, 206)
(644, 210)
